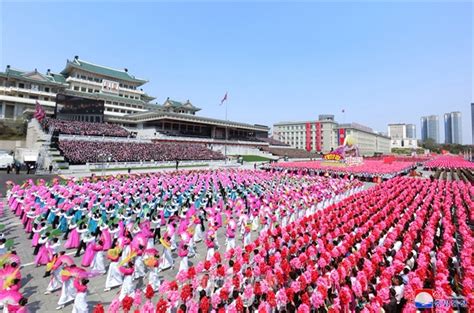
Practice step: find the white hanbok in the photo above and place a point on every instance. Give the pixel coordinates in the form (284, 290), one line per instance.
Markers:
(68, 292)
(230, 244)
(154, 279)
(55, 282)
(166, 260)
(114, 277)
(98, 265)
(139, 267)
(127, 287)
(210, 254)
(198, 233)
(183, 265)
(80, 303)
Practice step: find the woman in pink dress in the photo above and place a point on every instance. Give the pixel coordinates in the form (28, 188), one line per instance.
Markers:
(89, 254)
(105, 237)
(44, 253)
(74, 239)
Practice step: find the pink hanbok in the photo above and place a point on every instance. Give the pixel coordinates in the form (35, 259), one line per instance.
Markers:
(74, 240)
(88, 255)
(106, 239)
(44, 255)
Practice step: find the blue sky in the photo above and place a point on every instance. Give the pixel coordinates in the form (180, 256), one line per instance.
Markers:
(382, 62)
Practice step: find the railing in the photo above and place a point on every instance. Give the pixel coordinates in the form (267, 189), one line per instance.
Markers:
(109, 166)
(103, 138)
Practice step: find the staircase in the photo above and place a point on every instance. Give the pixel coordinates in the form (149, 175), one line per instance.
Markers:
(40, 142)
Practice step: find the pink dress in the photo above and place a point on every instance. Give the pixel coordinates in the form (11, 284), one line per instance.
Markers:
(106, 239)
(89, 255)
(43, 255)
(73, 241)
(36, 237)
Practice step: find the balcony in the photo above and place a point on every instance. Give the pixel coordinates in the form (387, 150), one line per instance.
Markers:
(4, 90)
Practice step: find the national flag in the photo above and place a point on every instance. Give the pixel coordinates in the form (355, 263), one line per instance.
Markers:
(40, 114)
(224, 99)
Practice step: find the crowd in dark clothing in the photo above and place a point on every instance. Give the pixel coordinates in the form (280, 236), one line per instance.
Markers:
(84, 128)
(81, 152)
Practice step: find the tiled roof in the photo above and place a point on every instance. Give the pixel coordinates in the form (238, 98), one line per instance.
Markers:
(101, 70)
(49, 78)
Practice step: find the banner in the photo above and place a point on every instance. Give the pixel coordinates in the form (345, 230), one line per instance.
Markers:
(318, 136)
(341, 135)
(308, 137)
(110, 86)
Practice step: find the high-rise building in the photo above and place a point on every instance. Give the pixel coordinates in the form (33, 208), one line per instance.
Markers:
(411, 131)
(448, 130)
(430, 128)
(452, 128)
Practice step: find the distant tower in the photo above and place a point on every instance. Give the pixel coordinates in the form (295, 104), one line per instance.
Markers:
(452, 128)
(430, 128)
(411, 131)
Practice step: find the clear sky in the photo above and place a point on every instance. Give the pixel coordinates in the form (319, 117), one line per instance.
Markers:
(382, 62)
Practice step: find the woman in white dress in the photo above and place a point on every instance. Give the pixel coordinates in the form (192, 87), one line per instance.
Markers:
(80, 302)
(98, 265)
(127, 287)
(199, 231)
(154, 279)
(114, 277)
(68, 292)
(167, 259)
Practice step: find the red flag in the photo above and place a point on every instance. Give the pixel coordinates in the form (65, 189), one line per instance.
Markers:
(40, 114)
(224, 99)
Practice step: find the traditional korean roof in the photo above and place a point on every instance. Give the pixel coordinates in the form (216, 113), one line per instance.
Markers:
(184, 105)
(34, 76)
(101, 70)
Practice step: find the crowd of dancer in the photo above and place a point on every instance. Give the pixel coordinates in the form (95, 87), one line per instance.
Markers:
(83, 128)
(366, 171)
(81, 152)
(127, 220)
(449, 162)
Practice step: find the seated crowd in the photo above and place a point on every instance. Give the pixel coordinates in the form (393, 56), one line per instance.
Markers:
(84, 128)
(81, 152)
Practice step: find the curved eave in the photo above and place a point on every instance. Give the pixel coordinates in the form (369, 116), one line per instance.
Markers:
(132, 80)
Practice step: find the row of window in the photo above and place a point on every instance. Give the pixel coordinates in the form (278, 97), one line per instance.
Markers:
(90, 90)
(99, 80)
(128, 105)
(118, 110)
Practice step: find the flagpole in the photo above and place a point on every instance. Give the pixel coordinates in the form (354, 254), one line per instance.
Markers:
(226, 122)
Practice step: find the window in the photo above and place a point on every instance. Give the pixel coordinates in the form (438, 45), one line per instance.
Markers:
(90, 90)
(83, 77)
(46, 89)
(76, 88)
(21, 85)
(96, 90)
(83, 89)
(34, 97)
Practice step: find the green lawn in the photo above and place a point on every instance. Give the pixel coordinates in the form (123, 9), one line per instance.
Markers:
(148, 167)
(254, 158)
